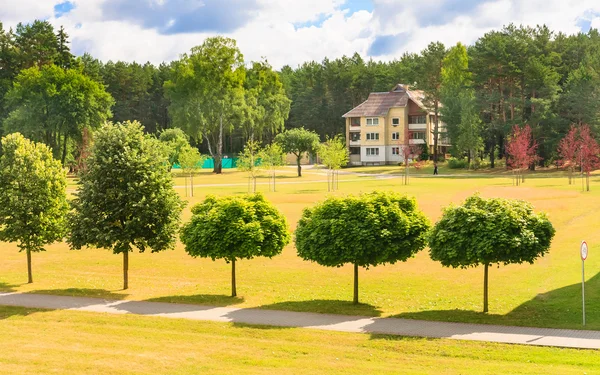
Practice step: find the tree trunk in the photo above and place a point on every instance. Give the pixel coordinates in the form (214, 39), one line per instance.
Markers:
(218, 157)
(587, 181)
(274, 190)
(299, 160)
(64, 151)
(29, 274)
(192, 183)
(233, 287)
(436, 129)
(355, 301)
(126, 270)
(485, 289)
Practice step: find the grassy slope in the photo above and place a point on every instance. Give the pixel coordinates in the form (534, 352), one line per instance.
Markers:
(39, 342)
(544, 294)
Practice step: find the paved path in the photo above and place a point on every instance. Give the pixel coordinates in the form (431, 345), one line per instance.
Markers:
(342, 323)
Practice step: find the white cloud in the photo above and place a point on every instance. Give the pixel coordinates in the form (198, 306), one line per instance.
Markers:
(281, 31)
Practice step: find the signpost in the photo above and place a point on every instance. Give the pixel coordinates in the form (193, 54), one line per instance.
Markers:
(584, 254)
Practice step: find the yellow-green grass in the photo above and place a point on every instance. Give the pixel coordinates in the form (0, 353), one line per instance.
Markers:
(546, 293)
(68, 342)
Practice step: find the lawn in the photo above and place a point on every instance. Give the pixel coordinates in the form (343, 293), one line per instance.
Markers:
(547, 293)
(68, 342)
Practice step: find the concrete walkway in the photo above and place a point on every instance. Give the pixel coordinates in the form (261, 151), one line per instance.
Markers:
(342, 323)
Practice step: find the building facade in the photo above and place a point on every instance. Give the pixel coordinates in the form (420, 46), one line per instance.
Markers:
(379, 129)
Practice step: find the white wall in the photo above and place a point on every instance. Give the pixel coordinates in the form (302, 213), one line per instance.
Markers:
(372, 159)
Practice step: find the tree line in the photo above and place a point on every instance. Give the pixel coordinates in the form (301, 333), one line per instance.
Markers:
(512, 76)
(126, 201)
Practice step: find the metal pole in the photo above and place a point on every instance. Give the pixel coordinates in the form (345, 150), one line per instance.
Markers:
(583, 288)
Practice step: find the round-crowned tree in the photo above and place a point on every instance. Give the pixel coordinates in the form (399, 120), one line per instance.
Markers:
(235, 227)
(489, 231)
(125, 198)
(366, 230)
(33, 200)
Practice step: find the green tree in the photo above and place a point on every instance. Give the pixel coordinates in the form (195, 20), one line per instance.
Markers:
(125, 197)
(33, 201)
(487, 231)
(175, 139)
(190, 161)
(334, 155)
(299, 142)
(272, 157)
(37, 44)
(207, 93)
(233, 228)
(365, 231)
(53, 105)
(271, 106)
(430, 81)
(248, 161)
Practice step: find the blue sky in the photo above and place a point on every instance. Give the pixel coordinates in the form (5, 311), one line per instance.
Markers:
(289, 31)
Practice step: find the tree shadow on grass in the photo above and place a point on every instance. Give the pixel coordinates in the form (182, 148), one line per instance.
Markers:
(7, 312)
(83, 292)
(216, 300)
(558, 308)
(325, 307)
(7, 288)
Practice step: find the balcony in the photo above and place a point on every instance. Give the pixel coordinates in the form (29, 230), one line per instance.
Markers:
(417, 126)
(355, 143)
(416, 141)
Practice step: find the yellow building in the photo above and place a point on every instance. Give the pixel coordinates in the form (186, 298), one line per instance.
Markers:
(378, 129)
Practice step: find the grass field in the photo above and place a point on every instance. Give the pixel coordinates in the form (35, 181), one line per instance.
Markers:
(546, 293)
(61, 342)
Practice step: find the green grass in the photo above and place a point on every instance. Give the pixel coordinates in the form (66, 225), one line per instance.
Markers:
(546, 293)
(68, 342)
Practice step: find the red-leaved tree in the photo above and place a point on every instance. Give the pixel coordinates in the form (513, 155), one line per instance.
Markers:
(588, 153)
(521, 150)
(409, 152)
(568, 151)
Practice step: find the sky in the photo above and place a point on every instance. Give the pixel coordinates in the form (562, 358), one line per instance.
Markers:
(289, 32)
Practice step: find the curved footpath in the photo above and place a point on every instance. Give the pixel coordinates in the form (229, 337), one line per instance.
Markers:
(342, 323)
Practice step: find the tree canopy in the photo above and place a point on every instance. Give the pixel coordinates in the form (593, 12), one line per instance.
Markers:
(299, 142)
(33, 201)
(487, 231)
(366, 231)
(233, 228)
(125, 197)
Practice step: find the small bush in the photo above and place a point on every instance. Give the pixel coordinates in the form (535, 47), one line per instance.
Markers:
(454, 163)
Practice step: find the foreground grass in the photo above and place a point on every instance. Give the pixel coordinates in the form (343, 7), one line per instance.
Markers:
(68, 342)
(546, 293)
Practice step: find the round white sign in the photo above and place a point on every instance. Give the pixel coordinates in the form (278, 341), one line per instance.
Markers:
(584, 250)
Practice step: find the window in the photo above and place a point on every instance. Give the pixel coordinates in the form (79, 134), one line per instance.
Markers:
(396, 136)
(354, 137)
(354, 150)
(372, 136)
(395, 121)
(417, 119)
(372, 152)
(354, 121)
(417, 135)
(373, 121)
(395, 150)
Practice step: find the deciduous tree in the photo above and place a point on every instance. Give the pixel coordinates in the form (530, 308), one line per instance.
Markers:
(365, 231)
(248, 161)
(125, 198)
(521, 151)
(207, 93)
(299, 142)
(334, 155)
(33, 201)
(568, 149)
(233, 228)
(588, 153)
(488, 231)
(272, 157)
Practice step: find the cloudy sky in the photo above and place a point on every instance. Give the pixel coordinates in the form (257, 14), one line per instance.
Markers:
(289, 31)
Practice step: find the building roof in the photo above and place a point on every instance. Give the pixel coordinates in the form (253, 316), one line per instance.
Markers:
(379, 103)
